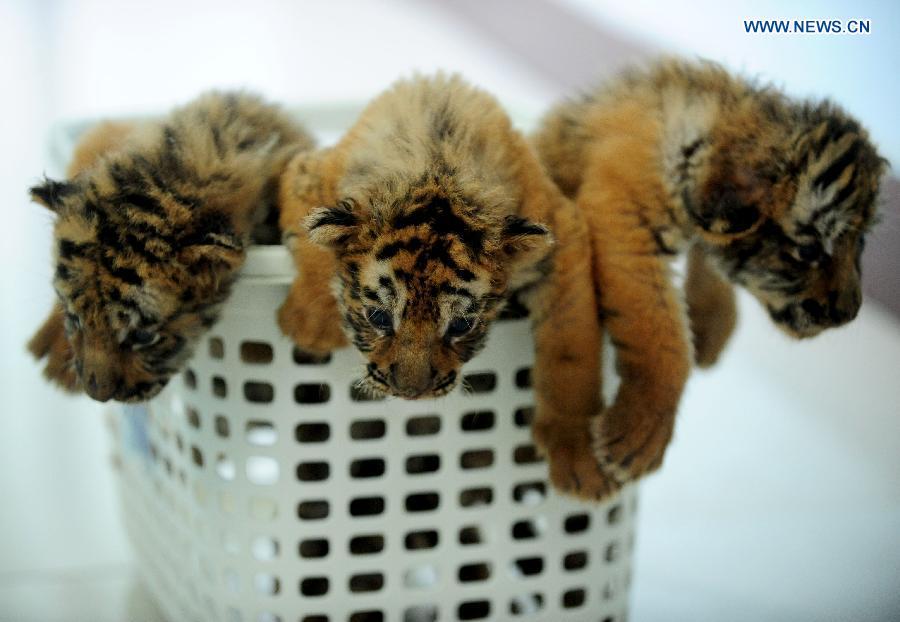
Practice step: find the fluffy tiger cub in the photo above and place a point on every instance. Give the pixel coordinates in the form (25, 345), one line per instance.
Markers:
(424, 218)
(770, 194)
(151, 228)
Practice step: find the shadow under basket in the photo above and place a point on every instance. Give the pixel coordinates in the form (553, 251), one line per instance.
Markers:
(261, 486)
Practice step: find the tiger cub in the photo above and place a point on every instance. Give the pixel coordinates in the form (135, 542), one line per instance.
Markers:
(151, 228)
(425, 217)
(767, 193)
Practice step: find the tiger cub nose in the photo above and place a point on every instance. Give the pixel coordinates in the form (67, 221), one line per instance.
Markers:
(101, 390)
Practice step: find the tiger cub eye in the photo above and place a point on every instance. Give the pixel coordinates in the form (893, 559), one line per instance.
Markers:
(380, 319)
(458, 327)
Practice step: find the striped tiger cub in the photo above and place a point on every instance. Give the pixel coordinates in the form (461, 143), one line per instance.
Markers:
(151, 227)
(767, 193)
(412, 233)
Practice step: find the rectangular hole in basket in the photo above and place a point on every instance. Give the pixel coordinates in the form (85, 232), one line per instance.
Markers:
(572, 599)
(476, 459)
(314, 586)
(256, 352)
(216, 348)
(576, 560)
(197, 456)
(577, 523)
(421, 576)
(258, 392)
(367, 506)
(421, 613)
(614, 515)
(367, 429)
(612, 552)
(308, 358)
(317, 432)
(220, 423)
(190, 379)
(312, 393)
(523, 416)
(475, 497)
(225, 467)
(471, 535)
(527, 604)
(482, 382)
(315, 618)
(423, 425)
(262, 433)
(423, 463)
(266, 584)
(365, 468)
(262, 470)
(313, 548)
(372, 615)
(477, 421)
(219, 388)
(530, 493)
(422, 502)
(530, 566)
(366, 582)
(193, 418)
(474, 610)
(367, 544)
(527, 454)
(471, 573)
(262, 508)
(316, 471)
(420, 540)
(525, 530)
(523, 378)
(359, 393)
(312, 510)
(264, 548)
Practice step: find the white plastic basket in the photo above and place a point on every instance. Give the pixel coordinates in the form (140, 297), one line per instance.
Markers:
(260, 487)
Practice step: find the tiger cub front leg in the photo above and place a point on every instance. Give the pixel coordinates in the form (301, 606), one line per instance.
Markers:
(711, 308)
(644, 318)
(566, 370)
(310, 314)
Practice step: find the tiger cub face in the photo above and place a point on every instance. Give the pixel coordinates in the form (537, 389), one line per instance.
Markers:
(794, 236)
(137, 289)
(419, 287)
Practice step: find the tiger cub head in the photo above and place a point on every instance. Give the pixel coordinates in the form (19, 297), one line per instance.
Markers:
(791, 229)
(138, 277)
(420, 283)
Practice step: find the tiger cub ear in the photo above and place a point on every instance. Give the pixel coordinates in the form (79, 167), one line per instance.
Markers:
(730, 206)
(51, 193)
(525, 242)
(333, 227)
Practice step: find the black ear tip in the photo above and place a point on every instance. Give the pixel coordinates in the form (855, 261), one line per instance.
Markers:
(50, 192)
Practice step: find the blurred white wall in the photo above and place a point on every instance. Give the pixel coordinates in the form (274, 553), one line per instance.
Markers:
(858, 71)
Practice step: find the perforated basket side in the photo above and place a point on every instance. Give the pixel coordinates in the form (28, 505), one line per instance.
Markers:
(261, 486)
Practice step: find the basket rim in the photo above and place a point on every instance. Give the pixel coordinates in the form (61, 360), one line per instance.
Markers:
(268, 261)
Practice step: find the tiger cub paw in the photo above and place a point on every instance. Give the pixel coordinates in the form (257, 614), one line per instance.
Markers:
(51, 344)
(313, 326)
(626, 448)
(573, 466)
